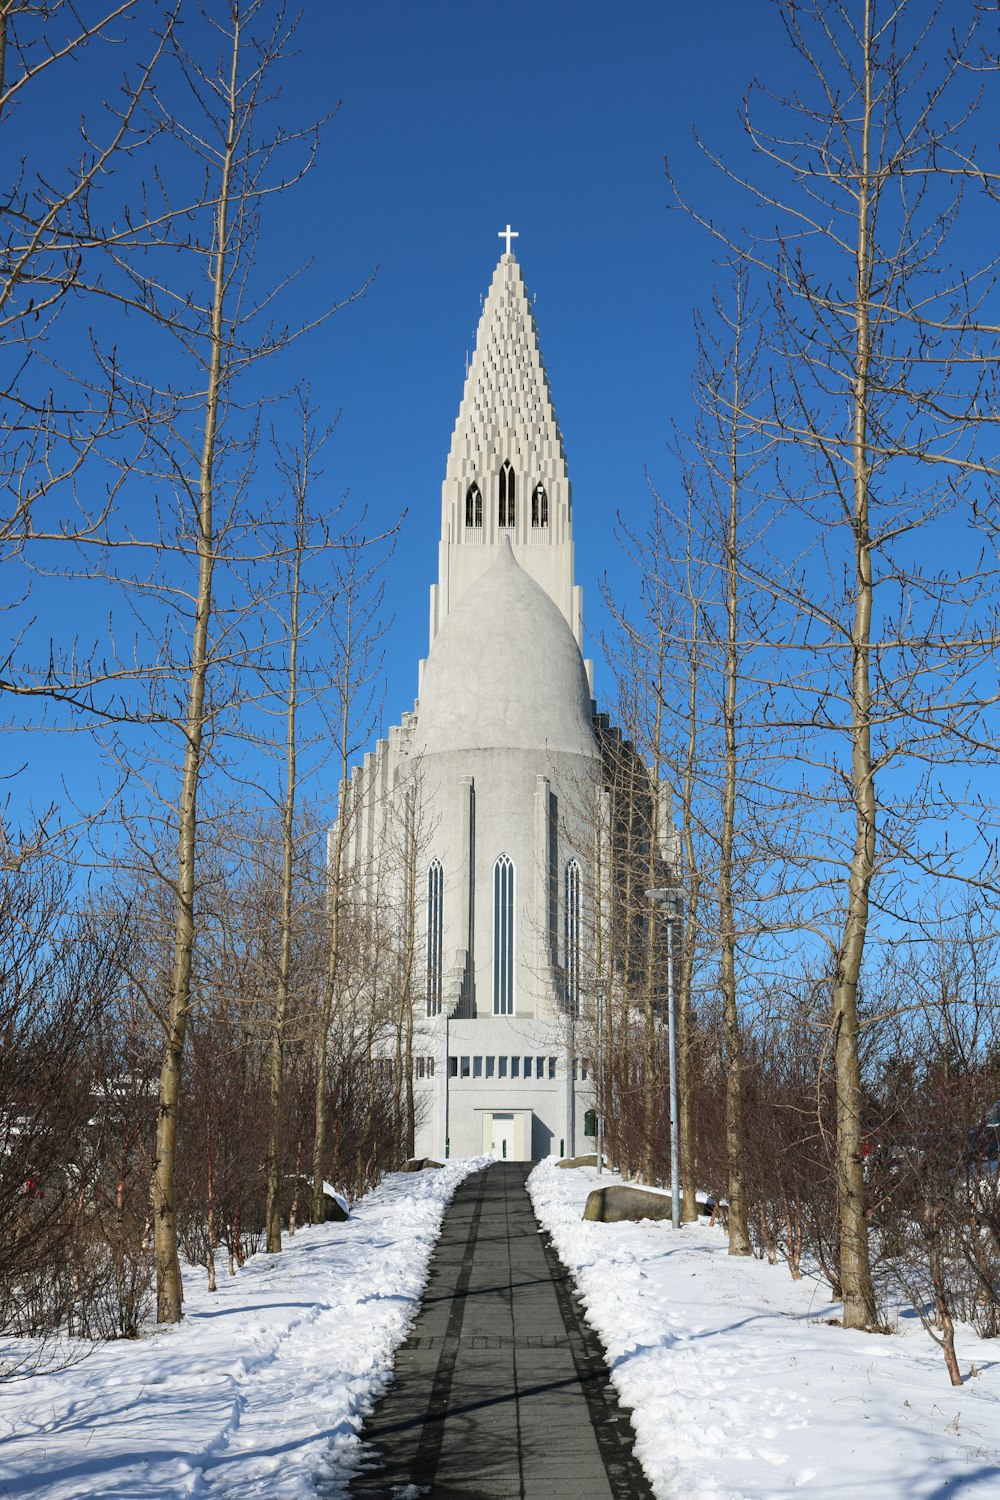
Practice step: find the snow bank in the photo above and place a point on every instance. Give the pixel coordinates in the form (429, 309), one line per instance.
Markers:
(739, 1386)
(261, 1391)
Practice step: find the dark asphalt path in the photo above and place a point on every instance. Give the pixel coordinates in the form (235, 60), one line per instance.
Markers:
(501, 1390)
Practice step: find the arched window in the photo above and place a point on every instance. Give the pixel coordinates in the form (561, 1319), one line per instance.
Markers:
(539, 506)
(435, 936)
(473, 506)
(571, 936)
(503, 937)
(507, 496)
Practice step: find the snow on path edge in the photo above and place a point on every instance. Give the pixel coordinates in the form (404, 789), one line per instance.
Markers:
(261, 1392)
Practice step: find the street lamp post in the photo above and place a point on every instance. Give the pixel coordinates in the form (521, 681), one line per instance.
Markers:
(599, 1091)
(668, 900)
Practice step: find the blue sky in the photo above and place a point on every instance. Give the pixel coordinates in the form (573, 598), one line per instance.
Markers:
(456, 119)
(453, 120)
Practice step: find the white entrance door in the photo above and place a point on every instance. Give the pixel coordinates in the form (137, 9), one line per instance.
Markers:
(502, 1137)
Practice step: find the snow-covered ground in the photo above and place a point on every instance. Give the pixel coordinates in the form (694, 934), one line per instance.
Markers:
(739, 1385)
(260, 1392)
(741, 1388)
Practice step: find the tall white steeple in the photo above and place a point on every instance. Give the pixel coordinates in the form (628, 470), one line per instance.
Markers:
(506, 476)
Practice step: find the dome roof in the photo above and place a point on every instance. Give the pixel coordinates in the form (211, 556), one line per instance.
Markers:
(504, 672)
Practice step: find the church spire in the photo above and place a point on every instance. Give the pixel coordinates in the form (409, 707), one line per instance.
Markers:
(506, 412)
(506, 476)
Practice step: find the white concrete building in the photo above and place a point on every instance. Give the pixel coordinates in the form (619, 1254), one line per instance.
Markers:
(499, 778)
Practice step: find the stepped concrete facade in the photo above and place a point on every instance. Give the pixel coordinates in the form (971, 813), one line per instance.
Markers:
(481, 823)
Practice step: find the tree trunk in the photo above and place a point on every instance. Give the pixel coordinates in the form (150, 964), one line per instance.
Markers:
(210, 1234)
(318, 1210)
(855, 1270)
(293, 1211)
(739, 1234)
(168, 1277)
(689, 1206)
(274, 1156)
(335, 876)
(685, 1020)
(941, 1305)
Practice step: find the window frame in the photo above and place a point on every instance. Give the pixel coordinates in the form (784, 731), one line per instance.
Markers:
(571, 934)
(504, 955)
(435, 937)
(506, 493)
(539, 507)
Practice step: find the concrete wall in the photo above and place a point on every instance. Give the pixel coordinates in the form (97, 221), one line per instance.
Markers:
(452, 1108)
(532, 807)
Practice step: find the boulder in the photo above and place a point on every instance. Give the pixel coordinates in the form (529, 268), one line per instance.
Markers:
(578, 1161)
(422, 1164)
(619, 1203)
(334, 1211)
(335, 1206)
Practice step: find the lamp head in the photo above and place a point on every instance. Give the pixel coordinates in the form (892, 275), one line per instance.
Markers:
(668, 898)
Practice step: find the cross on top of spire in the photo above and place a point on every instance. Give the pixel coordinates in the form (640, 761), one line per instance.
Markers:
(508, 234)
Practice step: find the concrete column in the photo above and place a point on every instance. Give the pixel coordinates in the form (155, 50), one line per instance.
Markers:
(578, 614)
(466, 894)
(602, 877)
(541, 913)
(568, 1098)
(442, 1086)
(370, 803)
(435, 606)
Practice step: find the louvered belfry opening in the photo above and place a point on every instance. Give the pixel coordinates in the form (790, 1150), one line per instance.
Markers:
(506, 507)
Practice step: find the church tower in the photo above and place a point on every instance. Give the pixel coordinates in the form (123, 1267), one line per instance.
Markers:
(506, 477)
(475, 833)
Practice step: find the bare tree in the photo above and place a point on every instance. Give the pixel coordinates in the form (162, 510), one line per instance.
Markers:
(230, 121)
(61, 968)
(351, 702)
(728, 523)
(858, 184)
(297, 469)
(60, 214)
(327, 609)
(735, 409)
(198, 441)
(636, 847)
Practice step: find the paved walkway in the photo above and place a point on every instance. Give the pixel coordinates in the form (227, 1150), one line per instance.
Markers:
(501, 1389)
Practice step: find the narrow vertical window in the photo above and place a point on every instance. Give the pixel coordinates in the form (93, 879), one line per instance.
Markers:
(507, 496)
(539, 506)
(473, 506)
(503, 937)
(435, 936)
(571, 937)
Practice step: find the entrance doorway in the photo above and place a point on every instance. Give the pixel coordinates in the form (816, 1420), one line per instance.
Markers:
(502, 1137)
